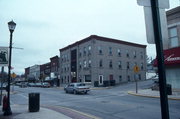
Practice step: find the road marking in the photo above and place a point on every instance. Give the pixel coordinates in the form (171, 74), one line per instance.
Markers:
(26, 97)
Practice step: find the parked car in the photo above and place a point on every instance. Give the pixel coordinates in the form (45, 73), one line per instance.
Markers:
(46, 85)
(77, 88)
(23, 85)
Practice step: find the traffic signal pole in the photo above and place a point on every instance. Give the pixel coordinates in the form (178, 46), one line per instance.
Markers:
(160, 59)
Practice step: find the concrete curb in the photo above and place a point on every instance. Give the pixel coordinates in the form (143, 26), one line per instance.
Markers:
(150, 96)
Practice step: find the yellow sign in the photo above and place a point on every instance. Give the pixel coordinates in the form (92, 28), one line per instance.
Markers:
(136, 69)
(13, 75)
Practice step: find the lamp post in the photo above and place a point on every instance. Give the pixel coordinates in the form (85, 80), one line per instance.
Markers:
(11, 26)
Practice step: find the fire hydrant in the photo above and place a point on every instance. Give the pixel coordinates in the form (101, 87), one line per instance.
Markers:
(5, 105)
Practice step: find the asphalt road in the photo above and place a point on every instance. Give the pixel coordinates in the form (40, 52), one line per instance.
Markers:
(113, 103)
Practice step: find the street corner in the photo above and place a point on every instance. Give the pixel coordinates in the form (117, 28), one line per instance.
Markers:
(140, 94)
(153, 94)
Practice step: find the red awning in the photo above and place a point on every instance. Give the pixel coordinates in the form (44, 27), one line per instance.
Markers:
(171, 56)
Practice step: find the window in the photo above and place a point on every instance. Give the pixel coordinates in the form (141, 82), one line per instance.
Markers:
(127, 53)
(80, 65)
(119, 65)
(89, 50)
(119, 52)
(173, 37)
(110, 50)
(101, 63)
(110, 64)
(128, 65)
(134, 54)
(142, 66)
(141, 55)
(85, 51)
(120, 78)
(100, 50)
(89, 63)
(85, 64)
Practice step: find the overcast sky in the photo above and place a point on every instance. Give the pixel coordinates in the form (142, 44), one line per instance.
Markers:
(45, 26)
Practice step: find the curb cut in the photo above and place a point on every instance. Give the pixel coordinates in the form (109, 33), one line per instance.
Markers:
(142, 95)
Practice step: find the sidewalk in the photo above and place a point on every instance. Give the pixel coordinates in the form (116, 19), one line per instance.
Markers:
(155, 94)
(45, 112)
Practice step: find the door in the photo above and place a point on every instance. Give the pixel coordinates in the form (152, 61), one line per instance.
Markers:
(100, 79)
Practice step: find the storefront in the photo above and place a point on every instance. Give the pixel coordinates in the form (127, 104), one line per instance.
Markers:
(172, 65)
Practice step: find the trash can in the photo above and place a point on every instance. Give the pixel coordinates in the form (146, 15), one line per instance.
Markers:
(112, 82)
(169, 89)
(96, 83)
(106, 83)
(34, 102)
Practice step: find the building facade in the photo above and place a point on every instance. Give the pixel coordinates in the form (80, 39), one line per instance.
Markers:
(34, 72)
(172, 54)
(98, 59)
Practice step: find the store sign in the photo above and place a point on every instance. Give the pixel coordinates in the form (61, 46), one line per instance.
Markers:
(172, 58)
(4, 56)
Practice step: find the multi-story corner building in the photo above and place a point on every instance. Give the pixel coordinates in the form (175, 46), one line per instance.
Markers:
(99, 59)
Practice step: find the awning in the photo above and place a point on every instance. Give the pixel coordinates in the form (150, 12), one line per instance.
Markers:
(171, 57)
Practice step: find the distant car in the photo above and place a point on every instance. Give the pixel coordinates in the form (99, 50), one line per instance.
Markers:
(23, 85)
(77, 88)
(45, 85)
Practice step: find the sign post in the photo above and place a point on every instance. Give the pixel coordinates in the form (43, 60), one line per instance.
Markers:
(158, 36)
(136, 70)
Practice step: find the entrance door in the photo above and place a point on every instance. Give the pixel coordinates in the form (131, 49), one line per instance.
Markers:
(100, 79)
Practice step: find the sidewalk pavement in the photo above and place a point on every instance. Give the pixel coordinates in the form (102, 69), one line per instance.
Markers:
(155, 94)
(45, 112)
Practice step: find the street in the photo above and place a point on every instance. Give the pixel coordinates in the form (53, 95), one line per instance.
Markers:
(110, 103)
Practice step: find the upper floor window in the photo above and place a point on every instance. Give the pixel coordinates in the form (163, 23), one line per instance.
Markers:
(119, 52)
(142, 67)
(127, 53)
(141, 55)
(85, 64)
(119, 65)
(134, 54)
(173, 37)
(100, 50)
(80, 65)
(89, 50)
(85, 50)
(89, 63)
(128, 65)
(101, 63)
(110, 64)
(110, 50)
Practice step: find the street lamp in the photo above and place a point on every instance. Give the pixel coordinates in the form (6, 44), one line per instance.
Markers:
(11, 26)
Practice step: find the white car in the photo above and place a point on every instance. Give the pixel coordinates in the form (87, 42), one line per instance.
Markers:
(77, 88)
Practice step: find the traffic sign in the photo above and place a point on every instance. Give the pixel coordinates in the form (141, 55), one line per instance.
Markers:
(136, 69)
(13, 75)
(4, 56)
